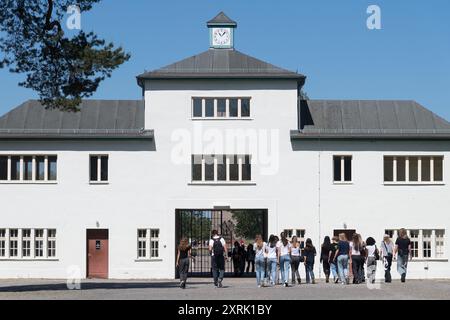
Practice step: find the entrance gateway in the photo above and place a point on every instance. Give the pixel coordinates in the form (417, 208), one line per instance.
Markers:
(232, 224)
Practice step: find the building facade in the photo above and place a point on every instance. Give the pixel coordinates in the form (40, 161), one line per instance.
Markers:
(218, 139)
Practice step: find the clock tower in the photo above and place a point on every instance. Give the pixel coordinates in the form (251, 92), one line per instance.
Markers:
(221, 32)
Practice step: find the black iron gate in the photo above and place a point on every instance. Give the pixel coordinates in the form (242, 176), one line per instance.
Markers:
(196, 226)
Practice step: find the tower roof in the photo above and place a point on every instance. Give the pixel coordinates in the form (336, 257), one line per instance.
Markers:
(221, 20)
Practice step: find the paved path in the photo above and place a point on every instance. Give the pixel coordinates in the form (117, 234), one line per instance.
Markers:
(233, 289)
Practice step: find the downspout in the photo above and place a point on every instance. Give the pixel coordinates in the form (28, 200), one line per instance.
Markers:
(319, 204)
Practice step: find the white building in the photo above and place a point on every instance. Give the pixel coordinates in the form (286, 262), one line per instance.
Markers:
(108, 191)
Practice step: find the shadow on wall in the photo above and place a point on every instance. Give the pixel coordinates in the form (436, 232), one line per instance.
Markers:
(349, 145)
(78, 145)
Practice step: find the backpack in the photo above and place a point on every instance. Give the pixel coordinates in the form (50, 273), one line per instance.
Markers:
(376, 254)
(218, 247)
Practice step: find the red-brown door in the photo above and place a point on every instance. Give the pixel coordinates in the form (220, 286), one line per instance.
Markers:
(97, 253)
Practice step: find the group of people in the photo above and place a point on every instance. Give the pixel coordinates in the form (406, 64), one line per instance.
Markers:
(278, 258)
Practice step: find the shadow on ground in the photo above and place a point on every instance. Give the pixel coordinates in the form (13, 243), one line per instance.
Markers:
(92, 286)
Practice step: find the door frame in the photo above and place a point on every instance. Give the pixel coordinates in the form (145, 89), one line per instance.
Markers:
(105, 236)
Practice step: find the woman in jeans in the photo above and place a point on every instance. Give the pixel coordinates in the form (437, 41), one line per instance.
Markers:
(295, 259)
(284, 258)
(356, 259)
(372, 257)
(260, 248)
(332, 254)
(324, 255)
(272, 259)
(183, 256)
(387, 252)
(309, 254)
(341, 258)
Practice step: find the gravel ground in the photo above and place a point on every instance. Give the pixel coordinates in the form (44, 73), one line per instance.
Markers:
(234, 289)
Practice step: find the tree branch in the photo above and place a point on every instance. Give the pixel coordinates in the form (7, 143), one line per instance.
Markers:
(49, 25)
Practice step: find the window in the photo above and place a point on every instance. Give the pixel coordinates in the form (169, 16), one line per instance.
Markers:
(27, 168)
(414, 237)
(342, 168)
(425, 243)
(39, 243)
(413, 169)
(439, 243)
(98, 171)
(233, 103)
(218, 168)
(299, 233)
(154, 243)
(40, 168)
(51, 243)
(3, 168)
(2, 242)
(13, 242)
(26, 243)
(51, 168)
(220, 107)
(209, 108)
(245, 107)
(142, 242)
(148, 238)
(197, 107)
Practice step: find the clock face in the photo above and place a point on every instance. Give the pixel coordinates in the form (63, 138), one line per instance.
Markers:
(221, 37)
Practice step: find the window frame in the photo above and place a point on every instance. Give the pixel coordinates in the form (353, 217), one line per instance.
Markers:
(149, 240)
(342, 157)
(407, 173)
(216, 114)
(99, 180)
(419, 241)
(34, 178)
(229, 169)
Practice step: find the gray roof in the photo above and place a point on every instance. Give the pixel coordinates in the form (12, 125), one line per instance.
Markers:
(221, 63)
(368, 119)
(221, 20)
(96, 119)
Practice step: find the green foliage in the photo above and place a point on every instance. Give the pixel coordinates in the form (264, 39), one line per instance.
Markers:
(60, 69)
(248, 223)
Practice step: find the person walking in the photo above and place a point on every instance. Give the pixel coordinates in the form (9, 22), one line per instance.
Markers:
(284, 258)
(373, 255)
(309, 255)
(387, 253)
(243, 258)
(272, 256)
(259, 248)
(250, 257)
(236, 257)
(296, 254)
(356, 258)
(217, 247)
(403, 251)
(324, 257)
(183, 256)
(332, 262)
(342, 256)
(363, 251)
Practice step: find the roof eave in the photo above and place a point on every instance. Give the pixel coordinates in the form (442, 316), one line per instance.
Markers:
(298, 135)
(17, 135)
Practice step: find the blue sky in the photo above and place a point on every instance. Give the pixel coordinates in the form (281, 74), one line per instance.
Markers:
(327, 40)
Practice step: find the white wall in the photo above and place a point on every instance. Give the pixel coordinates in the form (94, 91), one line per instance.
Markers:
(146, 185)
